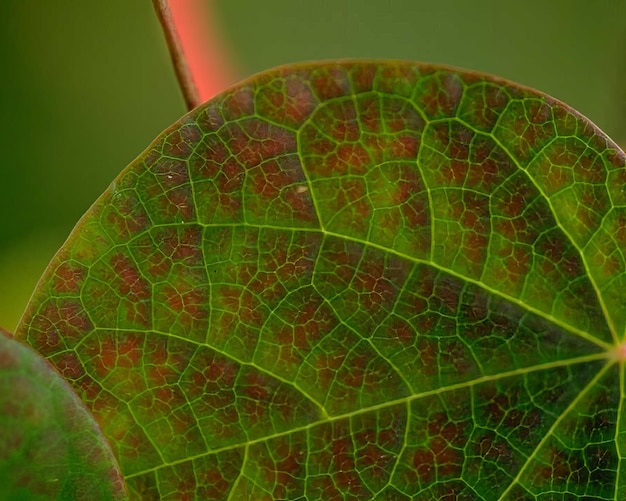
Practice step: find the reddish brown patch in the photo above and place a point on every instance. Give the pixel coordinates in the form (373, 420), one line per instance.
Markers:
(238, 104)
(330, 82)
(354, 373)
(257, 387)
(339, 121)
(288, 468)
(441, 94)
(264, 141)
(517, 265)
(560, 467)
(455, 354)
(130, 280)
(59, 324)
(104, 356)
(315, 144)
(125, 214)
(69, 366)
(90, 388)
(327, 367)
(208, 158)
(170, 173)
(448, 460)
(130, 350)
(300, 101)
(68, 277)
(428, 352)
(424, 465)
(370, 114)
(492, 448)
(180, 142)
(401, 330)
(363, 77)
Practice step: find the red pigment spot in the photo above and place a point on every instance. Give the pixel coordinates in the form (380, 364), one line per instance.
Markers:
(326, 367)
(338, 120)
(183, 245)
(257, 387)
(375, 289)
(402, 331)
(490, 447)
(454, 354)
(106, 357)
(486, 174)
(350, 159)
(330, 82)
(288, 469)
(212, 482)
(59, 319)
(69, 366)
(157, 365)
(238, 104)
(300, 203)
(289, 100)
(90, 388)
(300, 101)
(363, 77)
(129, 280)
(208, 158)
(170, 173)
(68, 277)
(618, 228)
(315, 144)
(127, 217)
(402, 147)
(179, 143)
(354, 376)
(560, 468)
(370, 114)
(178, 203)
(352, 193)
(428, 352)
(266, 141)
(441, 95)
(424, 465)
(416, 213)
(230, 175)
(517, 265)
(448, 460)
(130, 350)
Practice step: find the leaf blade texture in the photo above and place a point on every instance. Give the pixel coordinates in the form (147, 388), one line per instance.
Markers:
(50, 446)
(357, 280)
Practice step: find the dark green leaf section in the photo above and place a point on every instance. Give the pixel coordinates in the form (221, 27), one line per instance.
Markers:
(355, 281)
(50, 446)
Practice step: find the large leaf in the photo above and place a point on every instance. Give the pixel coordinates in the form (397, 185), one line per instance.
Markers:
(355, 280)
(50, 447)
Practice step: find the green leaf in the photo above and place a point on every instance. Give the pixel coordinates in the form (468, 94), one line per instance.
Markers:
(355, 280)
(50, 446)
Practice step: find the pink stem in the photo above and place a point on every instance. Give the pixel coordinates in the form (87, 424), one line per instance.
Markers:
(206, 69)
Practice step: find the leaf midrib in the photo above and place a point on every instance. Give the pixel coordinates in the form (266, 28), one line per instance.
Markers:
(405, 400)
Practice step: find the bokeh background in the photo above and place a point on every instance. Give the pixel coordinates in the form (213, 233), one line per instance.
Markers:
(86, 85)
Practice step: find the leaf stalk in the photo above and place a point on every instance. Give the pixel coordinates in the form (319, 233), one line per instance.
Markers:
(177, 55)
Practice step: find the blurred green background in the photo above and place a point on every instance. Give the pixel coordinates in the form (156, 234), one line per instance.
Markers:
(86, 85)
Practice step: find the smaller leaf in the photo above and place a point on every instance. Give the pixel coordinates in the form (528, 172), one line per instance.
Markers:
(50, 446)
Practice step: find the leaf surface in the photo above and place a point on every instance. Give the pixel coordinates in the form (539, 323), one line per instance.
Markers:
(355, 280)
(50, 446)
